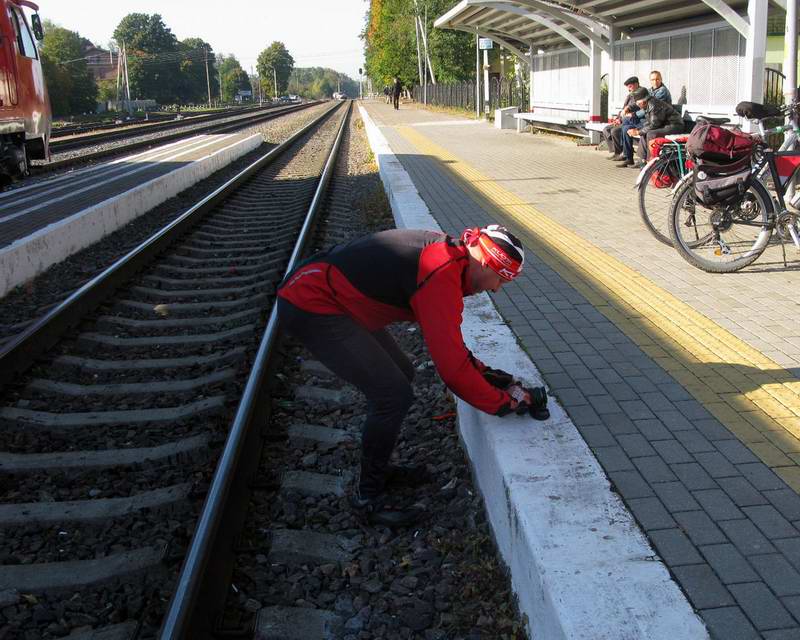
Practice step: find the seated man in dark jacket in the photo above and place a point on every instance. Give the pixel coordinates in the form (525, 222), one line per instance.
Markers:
(660, 120)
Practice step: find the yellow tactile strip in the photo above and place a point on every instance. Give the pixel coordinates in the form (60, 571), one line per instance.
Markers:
(754, 397)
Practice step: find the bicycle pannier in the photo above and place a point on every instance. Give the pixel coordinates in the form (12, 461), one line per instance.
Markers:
(668, 176)
(715, 143)
(720, 184)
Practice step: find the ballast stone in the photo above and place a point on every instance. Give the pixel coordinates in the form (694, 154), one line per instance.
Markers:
(314, 484)
(296, 623)
(317, 435)
(290, 546)
(122, 631)
(334, 397)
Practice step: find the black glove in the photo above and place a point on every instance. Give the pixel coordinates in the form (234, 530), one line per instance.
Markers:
(530, 400)
(497, 377)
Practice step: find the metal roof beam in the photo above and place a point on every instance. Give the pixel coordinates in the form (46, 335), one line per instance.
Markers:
(545, 21)
(594, 30)
(741, 24)
(499, 39)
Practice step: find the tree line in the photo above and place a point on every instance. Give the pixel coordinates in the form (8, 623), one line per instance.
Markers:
(172, 71)
(393, 29)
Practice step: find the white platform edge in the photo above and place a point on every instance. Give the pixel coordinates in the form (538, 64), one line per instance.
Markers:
(29, 256)
(579, 564)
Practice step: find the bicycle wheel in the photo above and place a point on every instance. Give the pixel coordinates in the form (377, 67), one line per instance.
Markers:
(721, 239)
(654, 201)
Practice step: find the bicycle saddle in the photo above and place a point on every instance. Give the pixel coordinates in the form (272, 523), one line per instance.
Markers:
(753, 110)
(710, 120)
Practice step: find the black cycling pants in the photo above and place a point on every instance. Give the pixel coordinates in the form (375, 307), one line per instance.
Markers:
(373, 363)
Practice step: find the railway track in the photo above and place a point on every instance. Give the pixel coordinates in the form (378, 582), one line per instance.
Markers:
(117, 405)
(68, 153)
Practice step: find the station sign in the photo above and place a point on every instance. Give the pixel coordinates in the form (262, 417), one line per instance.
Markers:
(485, 43)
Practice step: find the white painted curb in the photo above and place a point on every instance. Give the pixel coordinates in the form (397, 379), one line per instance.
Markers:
(579, 564)
(29, 256)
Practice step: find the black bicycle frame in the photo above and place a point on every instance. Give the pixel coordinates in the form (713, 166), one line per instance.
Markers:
(780, 188)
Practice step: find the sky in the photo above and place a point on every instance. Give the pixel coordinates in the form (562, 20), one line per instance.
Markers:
(318, 33)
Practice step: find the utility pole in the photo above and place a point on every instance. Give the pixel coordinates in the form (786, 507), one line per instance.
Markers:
(275, 81)
(127, 79)
(219, 77)
(208, 80)
(119, 73)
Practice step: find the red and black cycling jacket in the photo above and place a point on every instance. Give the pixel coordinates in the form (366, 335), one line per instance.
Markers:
(397, 275)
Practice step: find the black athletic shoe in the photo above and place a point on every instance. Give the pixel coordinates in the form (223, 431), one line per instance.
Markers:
(407, 475)
(379, 510)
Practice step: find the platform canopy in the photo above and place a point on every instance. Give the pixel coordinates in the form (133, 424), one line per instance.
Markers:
(550, 24)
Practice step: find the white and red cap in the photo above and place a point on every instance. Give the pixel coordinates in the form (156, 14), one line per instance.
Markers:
(501, 249)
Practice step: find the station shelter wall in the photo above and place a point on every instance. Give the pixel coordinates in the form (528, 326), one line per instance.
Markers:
(700, 67)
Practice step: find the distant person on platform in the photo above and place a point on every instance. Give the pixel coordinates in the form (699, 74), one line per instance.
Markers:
(338, 304)
(613, 134)
(397, 88)
(387, 94)
(661, 119)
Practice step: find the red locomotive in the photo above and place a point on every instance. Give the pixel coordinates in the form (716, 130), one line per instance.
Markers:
(24, 105)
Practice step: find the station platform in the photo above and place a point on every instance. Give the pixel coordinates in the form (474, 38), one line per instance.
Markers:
(47, 220)
(683, 385)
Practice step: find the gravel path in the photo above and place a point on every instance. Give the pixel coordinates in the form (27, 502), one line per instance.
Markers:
(31, 300)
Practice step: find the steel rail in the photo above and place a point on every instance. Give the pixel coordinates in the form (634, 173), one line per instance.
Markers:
(21, 352)
(209, 128)
(57, 144)
(206, 569)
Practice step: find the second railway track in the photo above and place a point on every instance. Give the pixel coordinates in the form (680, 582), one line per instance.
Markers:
(109, 442)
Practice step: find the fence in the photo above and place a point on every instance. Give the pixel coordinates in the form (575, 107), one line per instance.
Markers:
(461, 95)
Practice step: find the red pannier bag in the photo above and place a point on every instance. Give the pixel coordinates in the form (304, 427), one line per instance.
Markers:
(667, 178)
(718, 144)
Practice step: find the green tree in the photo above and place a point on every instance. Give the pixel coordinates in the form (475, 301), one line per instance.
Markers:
(234, 77)
(194, 84)
(153, 57)
(390, 45)
(70, 84)
(278, 57)
(319, 82)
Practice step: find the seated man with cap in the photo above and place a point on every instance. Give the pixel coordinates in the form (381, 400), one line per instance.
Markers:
(338, 303)
(661, 119)
(629, 116)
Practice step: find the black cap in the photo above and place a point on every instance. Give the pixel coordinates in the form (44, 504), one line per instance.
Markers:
(632, 80)
(640, 94)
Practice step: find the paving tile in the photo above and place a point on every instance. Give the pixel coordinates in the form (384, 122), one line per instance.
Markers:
(619, 423)
(674, 547)
(700, 528)
(675, 497)
(570, 397)
(713, 429)
(691, 439)
(761, 606)
(717, 504)
(650, 513)
(730, 565)
(792, 603)
(729, 623)
(636, 410)
(596, 435)
(701, 584)
(769, 520)
(613, 459)
(654, 469)
(716, 465)
(741, 491)
(584, 414)
(621, 391)
(604, 404)
(790, 548)
(783, 634)
(736, 452)
(675, 421)
(786, 501)
(693, 476)
(635, 445)
(672, 451)
(747, 538)
(630, 484)
(761, 477)
(779, 575)
(653, 429)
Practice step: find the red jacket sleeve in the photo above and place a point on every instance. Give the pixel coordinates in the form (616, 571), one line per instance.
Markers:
(438, 306)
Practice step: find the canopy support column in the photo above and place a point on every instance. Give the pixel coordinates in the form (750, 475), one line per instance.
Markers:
(752, 82)
(790, 52)
(613, 80)
(477, 76)
(530, 77)
(595, 64)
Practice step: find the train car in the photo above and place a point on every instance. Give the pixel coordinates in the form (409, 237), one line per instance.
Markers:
(24, 105)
